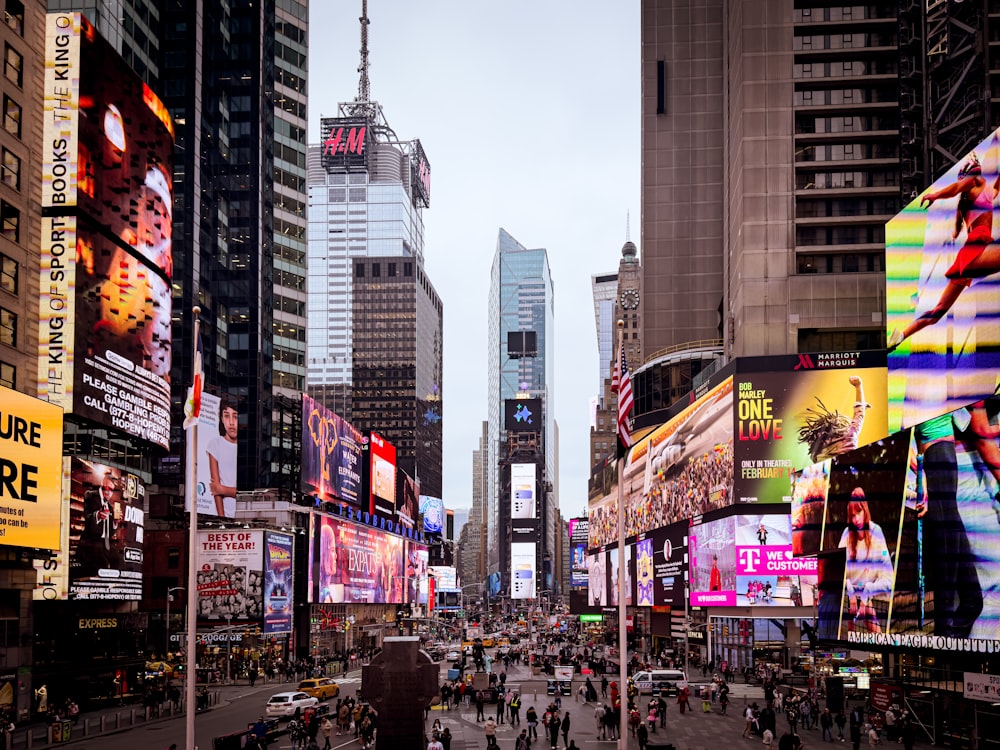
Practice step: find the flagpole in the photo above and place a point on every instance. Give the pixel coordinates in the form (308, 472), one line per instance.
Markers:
(622, 635)
(191, 501)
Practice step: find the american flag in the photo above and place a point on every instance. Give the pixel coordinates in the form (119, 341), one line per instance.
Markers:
(192, 406)
(622, 384)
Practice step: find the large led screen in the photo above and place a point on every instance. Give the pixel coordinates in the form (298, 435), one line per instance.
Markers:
(106, 255)
(793, 411)
(331, 455)
(942, 292)
(681, 469)
(597, 573)
(911, 531)
(523, 571)
(432, 510)
(278, 596)
(31, 442)
(602, 505)
(407, 503)
(612, 584)
(230, 576)
(522, 415)
(523, 489)
(383, 476)
(670, 564)
(107, 521)
(578, 533)
(360, 564)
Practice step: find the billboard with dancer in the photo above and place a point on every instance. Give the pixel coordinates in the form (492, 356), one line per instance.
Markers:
(943, 293)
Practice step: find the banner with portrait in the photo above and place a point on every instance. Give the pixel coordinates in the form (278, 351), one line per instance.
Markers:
(331, 455)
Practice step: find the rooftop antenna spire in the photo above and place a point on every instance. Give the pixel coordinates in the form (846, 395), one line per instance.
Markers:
(628, 234)
(364, 89)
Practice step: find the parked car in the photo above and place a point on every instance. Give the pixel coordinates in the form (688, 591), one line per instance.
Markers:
(452, 656)
(322, 688)
(288, 705)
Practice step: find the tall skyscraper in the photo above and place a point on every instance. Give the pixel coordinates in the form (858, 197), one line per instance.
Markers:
(234, 78)
(374, 345)
(778, 139)
(604, 289)
(521, 300)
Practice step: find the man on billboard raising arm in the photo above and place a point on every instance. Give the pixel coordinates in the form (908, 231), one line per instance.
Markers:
(978, 258)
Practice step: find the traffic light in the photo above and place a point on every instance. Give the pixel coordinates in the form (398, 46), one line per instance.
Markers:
(725, 630)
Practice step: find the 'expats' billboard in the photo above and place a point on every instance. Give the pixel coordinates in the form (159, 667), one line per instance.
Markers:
(942, 292)
(382, 455)
(107, 523)
(331, 455)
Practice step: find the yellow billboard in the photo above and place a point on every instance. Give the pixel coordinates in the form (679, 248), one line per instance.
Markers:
(31, 440)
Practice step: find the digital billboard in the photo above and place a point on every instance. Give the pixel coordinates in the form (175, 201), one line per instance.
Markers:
(578, 533)
(416, 573)
(597, 574)
(106, 254)
(278, 595)
(523, 573)
(31, 477)
(382, 455)
(522, 414)
(602, 505)
(420, 174)
(523, 489)
(612, 584)
(407, 503)
(218, 426)
(52, 572)
(331, 455)
(682, 468)
(670, 565)
(792, 411)
(745, 559)
(445, 577)
(360, 564)
(942, 292)
(107, 521)
(432, 510)
(910, 535)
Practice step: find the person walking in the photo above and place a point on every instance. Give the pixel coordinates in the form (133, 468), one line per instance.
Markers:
(873, 738)
(826, 724)
(480, 698)
(490, 728)
(553, 727)
(748, 728)
(501, 706)
(532, 718)
(604, 686)
(840, 720)
(565, 729)
(326, 727)
(515, 709)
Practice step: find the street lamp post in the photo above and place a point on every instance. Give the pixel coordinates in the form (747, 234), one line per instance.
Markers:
(170, 598)
(229, 649)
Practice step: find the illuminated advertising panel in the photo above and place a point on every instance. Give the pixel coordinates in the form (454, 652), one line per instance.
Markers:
(416, 573)
(681, 469)
(578, 533)
(523, 490)
(602, 506)
(345, 141)
(793, 411)
(31, 477)
(383, 476)
(420, 177)
(107, 520)
(809, 490)
(445, 576)
(942, 292)
(670, 563)
(407, 504)
(612, 584)
(278, 598)
(523, 578)
(597, 573)
(331, 455)
(360, 564)
(713, 562)
(910, 528)
(52, 573)
(104, 338)
(230, 577)
(432, 510)
(218, 425)
(767, 573)
(522, 414)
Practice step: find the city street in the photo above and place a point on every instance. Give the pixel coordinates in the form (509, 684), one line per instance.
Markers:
(240, 705)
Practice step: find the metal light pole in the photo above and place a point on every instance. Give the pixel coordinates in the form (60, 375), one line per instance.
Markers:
(170, 598)
(229, 649)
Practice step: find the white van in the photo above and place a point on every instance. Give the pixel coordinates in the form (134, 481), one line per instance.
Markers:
(657, 680)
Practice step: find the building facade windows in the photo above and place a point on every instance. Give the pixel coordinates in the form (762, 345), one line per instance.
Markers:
(8, 375)
(8, 327)
(11, 116)
(10, 221)
(10, 170)
(8, 274)
(13, 65)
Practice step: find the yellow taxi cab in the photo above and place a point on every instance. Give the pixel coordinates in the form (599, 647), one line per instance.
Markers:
(322, 688)
(488, 641)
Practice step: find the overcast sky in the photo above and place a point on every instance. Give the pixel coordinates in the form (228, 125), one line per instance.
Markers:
(529, 115)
